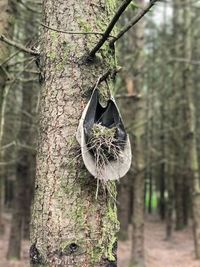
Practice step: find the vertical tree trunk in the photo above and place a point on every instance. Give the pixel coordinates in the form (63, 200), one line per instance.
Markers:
(69, 226)
(170, 178)
(137, 251)
(179, 107)
(6, 9)
(162, 189)
(14, 249)
(148, 169)
(150, 191)
(191, 123)
(24, 139)
(170, 204)
(124, 207)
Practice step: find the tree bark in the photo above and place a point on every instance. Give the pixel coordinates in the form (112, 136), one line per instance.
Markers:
(69, 226)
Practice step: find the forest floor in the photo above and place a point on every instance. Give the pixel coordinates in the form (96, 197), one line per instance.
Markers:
(178, 252)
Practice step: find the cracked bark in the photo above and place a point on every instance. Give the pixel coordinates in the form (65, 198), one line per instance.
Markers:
(69, 226)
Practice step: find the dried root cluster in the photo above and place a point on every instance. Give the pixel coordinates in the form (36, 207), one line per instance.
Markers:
(104, 145)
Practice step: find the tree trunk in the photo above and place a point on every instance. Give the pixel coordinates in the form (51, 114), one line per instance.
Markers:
(170, 198)
(69, 226)
(6, 10)
(179, 107)
(137, 250)
(124, 211)
(191, 123)
(179, 201)
(24, 139)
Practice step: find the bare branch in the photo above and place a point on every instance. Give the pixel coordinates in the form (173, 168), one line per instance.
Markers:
(135, 20)
(107, 32)
(13, 143)
(19, 46)
(16, 144)
(9, 58)
(4, 163)
(185, 60)
(71, 32)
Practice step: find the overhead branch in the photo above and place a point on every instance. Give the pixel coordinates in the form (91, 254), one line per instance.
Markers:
(134, 21)
(18, 46)
(108, 30)
(72, 32)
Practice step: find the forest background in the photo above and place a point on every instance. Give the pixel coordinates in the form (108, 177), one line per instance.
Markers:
(156, 86)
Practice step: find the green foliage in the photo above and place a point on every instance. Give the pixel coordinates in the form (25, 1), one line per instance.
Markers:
(154, 200)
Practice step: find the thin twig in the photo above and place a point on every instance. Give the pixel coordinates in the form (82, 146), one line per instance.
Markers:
(19, 46)
(108, 30)
(13, 143)
(138, 17)
(71, 32)
(9, 58)
(32, 71)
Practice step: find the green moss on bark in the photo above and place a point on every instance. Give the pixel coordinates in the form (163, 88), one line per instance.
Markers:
(69, 222)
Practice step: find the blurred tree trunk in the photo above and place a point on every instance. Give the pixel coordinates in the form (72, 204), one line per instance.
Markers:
(178, 110)
(26, 30)
(148, 168)
(162, 165)
(191, 123)
(137, 252)
(131, 51)
(124, 211)
(17, 211)
(25, 167)
(69, 226)
(170, 201)
(6, 26)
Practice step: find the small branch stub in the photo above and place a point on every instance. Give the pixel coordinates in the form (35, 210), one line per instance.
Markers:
(110, 27)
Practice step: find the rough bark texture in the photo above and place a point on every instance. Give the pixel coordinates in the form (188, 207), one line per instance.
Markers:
(69, 226)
